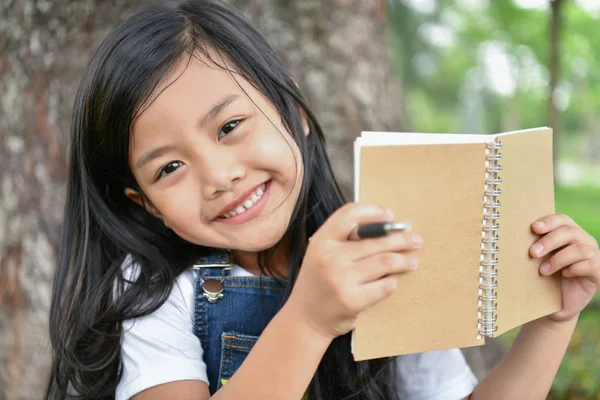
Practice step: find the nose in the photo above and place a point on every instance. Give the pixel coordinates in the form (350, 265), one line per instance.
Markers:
(220, 169)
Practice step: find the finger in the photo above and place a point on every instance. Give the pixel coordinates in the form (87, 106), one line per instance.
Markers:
(551, 222)
(383, 264)
(587, 269)
(398, 241)
(559, 237)
(376, 291)
(342, 223)
(571, 254)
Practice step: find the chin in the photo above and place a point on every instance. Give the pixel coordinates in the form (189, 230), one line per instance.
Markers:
(261, 240)
(257, 244)
(254, 239)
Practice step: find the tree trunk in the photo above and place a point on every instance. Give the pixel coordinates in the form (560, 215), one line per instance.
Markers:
(552, 113)
(336, 49)
(44, 46)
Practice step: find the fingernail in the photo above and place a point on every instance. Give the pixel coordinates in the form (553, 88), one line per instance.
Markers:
(389, 214)
(545, 268)
(414, 262)
(417, 240)
(540, 224)
(537, 248)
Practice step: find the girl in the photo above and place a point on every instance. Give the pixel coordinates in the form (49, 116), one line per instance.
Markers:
(197, 177)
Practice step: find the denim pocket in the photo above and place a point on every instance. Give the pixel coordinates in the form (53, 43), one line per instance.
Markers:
(234, 349)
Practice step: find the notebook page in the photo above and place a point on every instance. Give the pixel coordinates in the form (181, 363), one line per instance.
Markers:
(368, 138)
(373, 138)
(407, 138)
(527, 194)
(439, 189)
(531, 130)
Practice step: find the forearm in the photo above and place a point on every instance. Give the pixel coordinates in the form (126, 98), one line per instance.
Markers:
(280, 365)
(528, 369)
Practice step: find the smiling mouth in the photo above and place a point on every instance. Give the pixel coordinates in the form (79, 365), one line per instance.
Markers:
(247, 203)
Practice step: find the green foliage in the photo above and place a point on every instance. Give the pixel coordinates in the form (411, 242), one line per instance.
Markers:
(448, 88)
(583, 205)
(579, 373)
(523, 35)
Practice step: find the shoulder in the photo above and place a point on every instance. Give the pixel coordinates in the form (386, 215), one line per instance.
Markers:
(161, 347)
(435, 375)
(182, 293)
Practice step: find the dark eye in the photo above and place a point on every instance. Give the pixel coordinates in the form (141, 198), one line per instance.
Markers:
(169, 168)
(229, 127)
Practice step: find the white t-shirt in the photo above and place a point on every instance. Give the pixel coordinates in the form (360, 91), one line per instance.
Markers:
(161, 348)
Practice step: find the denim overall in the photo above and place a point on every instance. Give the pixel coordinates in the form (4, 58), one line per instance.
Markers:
(230, 313)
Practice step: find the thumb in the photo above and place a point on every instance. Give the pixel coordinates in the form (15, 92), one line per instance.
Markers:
(344, 221)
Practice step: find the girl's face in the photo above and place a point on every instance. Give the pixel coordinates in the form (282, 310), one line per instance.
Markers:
(215, 161)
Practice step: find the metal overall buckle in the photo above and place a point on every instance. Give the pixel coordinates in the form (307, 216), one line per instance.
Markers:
(213, 287)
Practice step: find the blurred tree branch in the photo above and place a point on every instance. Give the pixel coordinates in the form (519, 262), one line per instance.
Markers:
(552, 113)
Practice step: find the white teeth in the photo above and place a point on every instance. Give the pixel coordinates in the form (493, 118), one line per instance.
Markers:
(248, 203)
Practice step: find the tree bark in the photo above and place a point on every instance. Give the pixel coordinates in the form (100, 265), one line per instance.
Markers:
(44, 46)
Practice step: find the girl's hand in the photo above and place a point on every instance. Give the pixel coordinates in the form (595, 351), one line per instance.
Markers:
(577, 257)
(340, 277)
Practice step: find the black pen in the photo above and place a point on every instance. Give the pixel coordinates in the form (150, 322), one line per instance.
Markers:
(381, 229)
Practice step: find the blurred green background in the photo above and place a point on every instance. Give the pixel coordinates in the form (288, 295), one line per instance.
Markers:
(483, 66)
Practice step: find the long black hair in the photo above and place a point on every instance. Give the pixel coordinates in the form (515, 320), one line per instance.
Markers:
(102, 226)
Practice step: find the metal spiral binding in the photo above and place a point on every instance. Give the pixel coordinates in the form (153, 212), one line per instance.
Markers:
(488, 273)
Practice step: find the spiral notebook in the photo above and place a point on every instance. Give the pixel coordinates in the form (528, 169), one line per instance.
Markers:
(472, 198)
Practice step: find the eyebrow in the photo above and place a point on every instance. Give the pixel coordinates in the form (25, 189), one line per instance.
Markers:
(211, 114)
(217, 108)
(151, 155)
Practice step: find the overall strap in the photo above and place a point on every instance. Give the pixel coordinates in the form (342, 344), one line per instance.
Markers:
(212, 270)
(230, 313)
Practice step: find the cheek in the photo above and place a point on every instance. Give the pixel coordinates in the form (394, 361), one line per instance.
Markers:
(185, 219)
(178, 203)
(278, 150)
